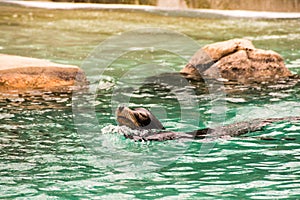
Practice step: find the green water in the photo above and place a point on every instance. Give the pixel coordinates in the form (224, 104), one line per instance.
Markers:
(43, 151)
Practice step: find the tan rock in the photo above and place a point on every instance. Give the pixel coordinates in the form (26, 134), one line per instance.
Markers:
(220, 49)
(236, 60)
(23, 73)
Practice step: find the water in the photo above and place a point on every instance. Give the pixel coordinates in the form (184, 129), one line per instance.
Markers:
(45, 156)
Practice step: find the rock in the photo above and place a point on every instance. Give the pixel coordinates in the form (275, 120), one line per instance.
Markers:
(238, 61)
(23, 73)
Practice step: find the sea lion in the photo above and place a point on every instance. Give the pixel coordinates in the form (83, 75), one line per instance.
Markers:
(143, 119)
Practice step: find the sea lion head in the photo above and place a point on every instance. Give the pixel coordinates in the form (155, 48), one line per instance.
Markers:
(139, 118)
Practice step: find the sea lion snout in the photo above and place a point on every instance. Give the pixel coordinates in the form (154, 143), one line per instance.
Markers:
(125, 117)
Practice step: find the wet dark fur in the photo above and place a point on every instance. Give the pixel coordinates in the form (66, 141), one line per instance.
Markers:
(145, 120)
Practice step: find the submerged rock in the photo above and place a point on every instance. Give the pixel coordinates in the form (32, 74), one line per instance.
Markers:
(236, 60)
(23, 73)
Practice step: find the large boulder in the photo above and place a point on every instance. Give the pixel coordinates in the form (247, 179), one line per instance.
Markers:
(23, 73)
(238, 61)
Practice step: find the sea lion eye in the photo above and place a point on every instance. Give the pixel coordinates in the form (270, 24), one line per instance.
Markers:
(137, 115)
(144, 115)
(140, 116)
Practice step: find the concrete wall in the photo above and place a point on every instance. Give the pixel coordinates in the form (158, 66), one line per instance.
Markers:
(137, 2)
(179, 4)
(259, 5)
